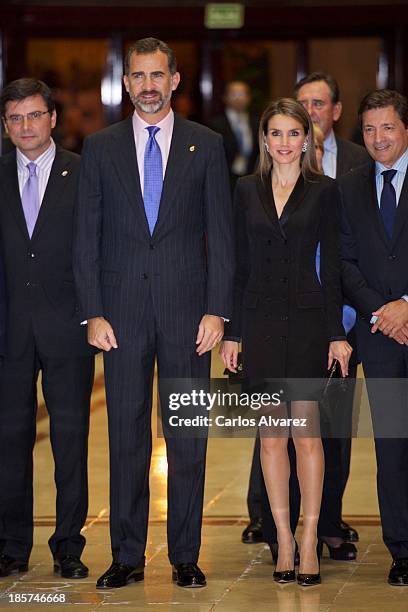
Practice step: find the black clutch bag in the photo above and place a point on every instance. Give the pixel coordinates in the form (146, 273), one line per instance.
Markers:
(238, 376)
(331, 413)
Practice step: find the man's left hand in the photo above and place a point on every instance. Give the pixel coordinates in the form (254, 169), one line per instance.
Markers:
(210, 332)
(392, 318)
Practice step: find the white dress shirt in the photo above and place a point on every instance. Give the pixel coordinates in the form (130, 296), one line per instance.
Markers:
(329, 162)
(240, 121)
(163, 139)
(401, 167)
(44, 164)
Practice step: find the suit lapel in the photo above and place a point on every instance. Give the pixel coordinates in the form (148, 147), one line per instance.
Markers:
(402, 211)
(124, 159)
(264, 187)
(266, 195)
(181, 154)
(370, 188)
(55, 186)
(12, 191)
(341, 167)
(298, 193)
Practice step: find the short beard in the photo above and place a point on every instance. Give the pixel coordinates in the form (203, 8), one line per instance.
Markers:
(150, 107)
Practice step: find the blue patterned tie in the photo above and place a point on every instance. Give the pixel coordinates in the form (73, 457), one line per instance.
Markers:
(388, 201)
(153, 177)
(30, 198)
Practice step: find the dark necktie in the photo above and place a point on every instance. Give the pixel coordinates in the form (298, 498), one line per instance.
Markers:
(388, 201)
(153, 177)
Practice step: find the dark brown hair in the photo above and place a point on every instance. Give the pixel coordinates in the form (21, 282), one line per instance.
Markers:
(313, 77)
(380, 98)
(151, 45)
(25, 88)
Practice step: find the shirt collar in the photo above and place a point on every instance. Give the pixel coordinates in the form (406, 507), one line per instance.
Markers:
(330, 143)
(42, 161)
(400, 165)
(140, 125)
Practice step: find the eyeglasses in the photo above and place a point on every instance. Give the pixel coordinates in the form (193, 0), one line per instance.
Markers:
(34, 116)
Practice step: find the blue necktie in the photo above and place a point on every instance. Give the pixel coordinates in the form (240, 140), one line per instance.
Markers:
(388, 201)
(153, 177)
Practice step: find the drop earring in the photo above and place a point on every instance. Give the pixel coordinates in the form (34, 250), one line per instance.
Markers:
(266, 146)
(304, 147)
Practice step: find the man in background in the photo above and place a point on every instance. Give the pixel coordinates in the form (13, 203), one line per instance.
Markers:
(238, 129)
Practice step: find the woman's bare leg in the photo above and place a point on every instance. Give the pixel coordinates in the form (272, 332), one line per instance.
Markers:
(276, 471)
(310, 471)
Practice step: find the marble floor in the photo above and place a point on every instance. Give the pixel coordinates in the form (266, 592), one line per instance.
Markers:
(239, 576)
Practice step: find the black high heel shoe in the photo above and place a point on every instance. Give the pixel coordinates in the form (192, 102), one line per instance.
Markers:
(345, 552)
(275, 551)
(311, 579)
(287, 575)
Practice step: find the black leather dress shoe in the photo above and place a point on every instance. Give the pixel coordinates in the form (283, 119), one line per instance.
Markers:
(398, 575)
(344, 552)
(70, 566)
(252, 534)
(119, 575)
(9, 565)
(349, 533)
(188, 575)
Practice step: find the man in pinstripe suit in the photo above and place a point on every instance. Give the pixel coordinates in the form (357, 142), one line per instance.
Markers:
(154, 272)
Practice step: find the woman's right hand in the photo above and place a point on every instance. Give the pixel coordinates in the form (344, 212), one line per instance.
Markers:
(229, 354)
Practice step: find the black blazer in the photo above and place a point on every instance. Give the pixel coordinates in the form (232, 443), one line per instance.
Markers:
(41, 297)
(186, 265)
(276, 286)
(349, 156)
(221, 125)
(374, 268)
(2, 307)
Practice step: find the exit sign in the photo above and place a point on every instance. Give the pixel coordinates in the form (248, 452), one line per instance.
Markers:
(224, 15)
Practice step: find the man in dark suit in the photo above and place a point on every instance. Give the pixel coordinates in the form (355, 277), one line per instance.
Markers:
(37, 195)
(239, 130)
(375, 278)
(154, 271)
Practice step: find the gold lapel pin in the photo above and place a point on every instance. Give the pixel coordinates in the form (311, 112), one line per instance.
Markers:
(64, 173)
(192, 148)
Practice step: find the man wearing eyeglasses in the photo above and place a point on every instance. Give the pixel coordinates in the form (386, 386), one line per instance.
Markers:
(37, 187)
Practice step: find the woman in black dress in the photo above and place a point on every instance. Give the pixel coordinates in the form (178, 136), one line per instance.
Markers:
(289, 322)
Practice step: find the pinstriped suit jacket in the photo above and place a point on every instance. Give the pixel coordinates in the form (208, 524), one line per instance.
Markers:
(186, 265)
